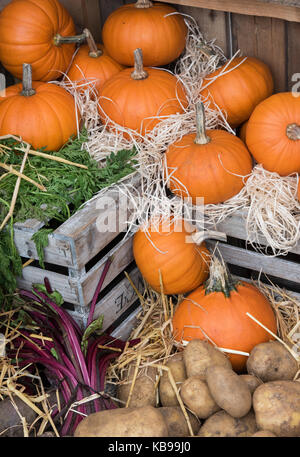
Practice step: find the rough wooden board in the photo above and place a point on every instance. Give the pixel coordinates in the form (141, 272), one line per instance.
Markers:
(250, 7)
(85, 13)
(264, 38)
(293, 56)
(124, 330)
(274, 266)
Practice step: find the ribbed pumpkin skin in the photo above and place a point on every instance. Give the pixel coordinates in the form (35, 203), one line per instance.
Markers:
(133, 103)
(208, 170)
(46, 119)
(224, 320)
(242, 131)
(98, 70)
(266, 133)
(184, 266)
(162, 39)
(238, 92)
(27, 30)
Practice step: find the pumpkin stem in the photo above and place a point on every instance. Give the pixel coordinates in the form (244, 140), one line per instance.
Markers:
(293, 132)
(201, 137)
(143, 4)
(139, 72)
(27, 90)
(199, 237)
(220, 280)
(77, 39)
(94, 51)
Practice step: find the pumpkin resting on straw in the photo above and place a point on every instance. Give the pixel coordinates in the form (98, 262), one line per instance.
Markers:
(162, 253)
(239, 89)
(136, 96)
(217, 311)
(40, 33)
(42, 114)
(273, 133)
(208, 164)
(152, 27)
(92, 63)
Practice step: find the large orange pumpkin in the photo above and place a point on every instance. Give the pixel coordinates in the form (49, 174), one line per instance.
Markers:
(217, 311)
(34, 31)
(135, 97)
(42, 114)
(92, 63)
(208, 164)
(168, 250)
(273, 133)
(146, 25)
(243, 84)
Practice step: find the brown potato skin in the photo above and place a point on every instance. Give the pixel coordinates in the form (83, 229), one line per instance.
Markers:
(229, 391)
(167, 395)
(123, 422)
(277, 407)
(221, 424)
(143, 391)
(252, 381)
(198, 355)
(271, 361)
(263, 434)
(176, 421)
(197, 398)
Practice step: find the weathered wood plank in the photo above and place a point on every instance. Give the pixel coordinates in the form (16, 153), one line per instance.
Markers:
(274, 266)
(250, 7)
(293, 56)
(124, 330)
(85, 13)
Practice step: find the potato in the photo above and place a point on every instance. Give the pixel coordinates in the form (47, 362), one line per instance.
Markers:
(123, 422)
(176, 421)
(144, 392)
(166, 392)
(198, 355)
(196, 396)
(271, 361)
(277, 407)
(229, 390)
(263, 434)
(221, 424)
(252, 381)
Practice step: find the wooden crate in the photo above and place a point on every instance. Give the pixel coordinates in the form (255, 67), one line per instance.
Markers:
(77, 254)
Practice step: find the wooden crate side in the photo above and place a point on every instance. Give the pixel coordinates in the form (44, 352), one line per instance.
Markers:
(124, 330)
(85, 13)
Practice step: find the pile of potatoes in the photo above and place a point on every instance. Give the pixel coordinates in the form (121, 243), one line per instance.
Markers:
(265, 402)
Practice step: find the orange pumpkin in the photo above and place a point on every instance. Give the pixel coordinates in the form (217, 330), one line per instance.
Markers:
(42, 114)
(35, 31)
(92, 63)
(273, 133)
(244, 84)
(135, 97)
(217, 311)
(298, 190)
(176, 252)
(207, 164)
(242, 131)
(148, 26)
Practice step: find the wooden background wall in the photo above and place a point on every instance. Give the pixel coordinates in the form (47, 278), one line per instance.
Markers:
(275, 41)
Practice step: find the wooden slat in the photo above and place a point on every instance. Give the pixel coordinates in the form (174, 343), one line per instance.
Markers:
(293, 55)
(274, 266)
(250, 7)
(123, 331)
(85, 13)
(263, 38)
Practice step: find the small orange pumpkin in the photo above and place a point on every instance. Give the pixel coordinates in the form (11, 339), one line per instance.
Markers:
(242, 131)
(176, 252)
(42, 114)
(245, 83)
(38, 32)
(217, 311)
(92, 63)
(208, 164)
(153, 27)
(273, 133)
(135, 97)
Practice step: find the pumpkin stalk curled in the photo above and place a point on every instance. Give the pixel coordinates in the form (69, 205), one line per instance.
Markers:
(220, 280)
(201, 137)
(293, 132)
(139, 72)
(94, 51)
(27, 90)
(143, 4)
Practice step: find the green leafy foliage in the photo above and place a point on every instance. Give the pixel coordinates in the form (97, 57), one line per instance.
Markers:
(10, 263)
